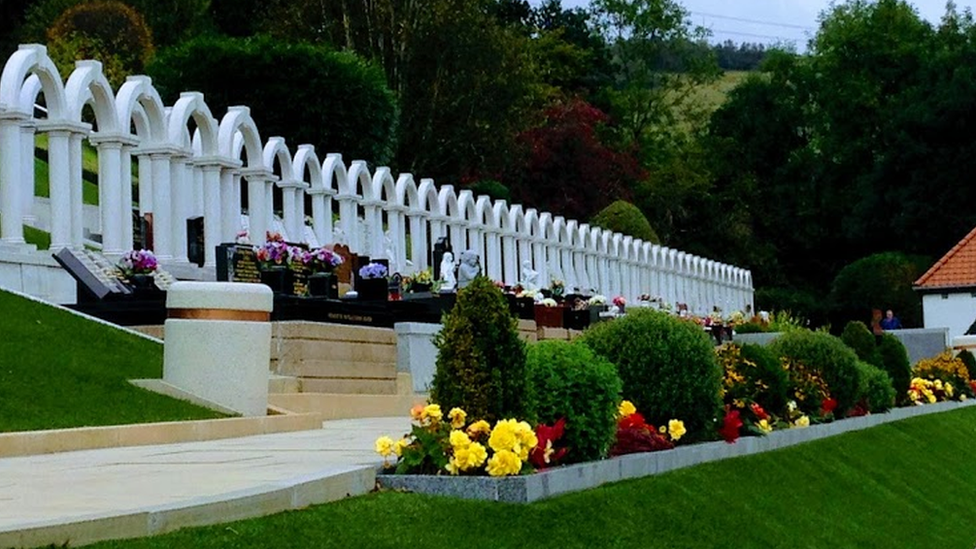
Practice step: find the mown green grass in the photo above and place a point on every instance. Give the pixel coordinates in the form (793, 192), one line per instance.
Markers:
(58, 370)
(909, 484)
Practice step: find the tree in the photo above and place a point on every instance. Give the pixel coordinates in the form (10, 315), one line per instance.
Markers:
(310, 94)
(623, 217)
(880, 281)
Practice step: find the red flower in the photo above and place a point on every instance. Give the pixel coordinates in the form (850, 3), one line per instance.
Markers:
(632, 441)
(544, 454)
(730, 426)
(633, 421)
(758, 411)
(828, 406)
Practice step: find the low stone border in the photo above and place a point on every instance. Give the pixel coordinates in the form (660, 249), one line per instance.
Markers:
(29, 443)
(574, 478)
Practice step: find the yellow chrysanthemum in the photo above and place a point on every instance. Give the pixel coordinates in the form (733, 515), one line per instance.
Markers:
(457, 417)
(399, 446)
(526, 437)
(384, 446)
(459, 440)
(472, 457)
(504, 463)
(948, 389)
(676, 428)
(432, 412)
(452, 467)
(503, 436)
(802, 421)
(478, 428)
(626, 408)
(764, 426)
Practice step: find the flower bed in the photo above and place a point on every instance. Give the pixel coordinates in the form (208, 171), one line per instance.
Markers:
(573, 478)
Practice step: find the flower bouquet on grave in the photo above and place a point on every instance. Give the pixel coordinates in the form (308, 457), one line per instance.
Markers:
(273, 260)
(322, 263)
(138, 268)
(557, 288)
(323, 260)
(619, 304)
(422, 281)
(372, 284)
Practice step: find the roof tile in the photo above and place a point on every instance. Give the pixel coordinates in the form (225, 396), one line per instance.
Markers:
(957, 268)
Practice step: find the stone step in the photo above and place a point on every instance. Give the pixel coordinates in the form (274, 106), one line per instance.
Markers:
(328, 368)
(332, 332)
(284, 384)
(349, 386)
(351, 351)
(340, 406)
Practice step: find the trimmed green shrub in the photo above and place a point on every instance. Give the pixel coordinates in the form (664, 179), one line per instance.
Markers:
(773, 380)
(829, 357)
(625, 218)
(896, 363)
(668, 367)
(874, 388)
(492, 188)
(171, 21)
(309, 94)
(569, 381)
(880, 281)
(480, 357)
(858, 337)
(966, 357)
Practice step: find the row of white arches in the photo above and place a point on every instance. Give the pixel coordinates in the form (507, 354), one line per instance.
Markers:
(190, 164)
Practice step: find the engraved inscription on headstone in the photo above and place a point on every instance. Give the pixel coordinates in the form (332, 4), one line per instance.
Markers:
(299, 278)
(94, 274)
(243, 266)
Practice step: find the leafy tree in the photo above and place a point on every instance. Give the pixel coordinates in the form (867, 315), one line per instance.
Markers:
(310, 94)
(880, 281)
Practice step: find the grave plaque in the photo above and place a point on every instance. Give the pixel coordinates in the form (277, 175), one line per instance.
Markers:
(95, 275)
(237, 264)
(299, 276)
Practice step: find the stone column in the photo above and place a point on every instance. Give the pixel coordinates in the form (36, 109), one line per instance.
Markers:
(211, 213)
(373, 218)
(512, 273)
(418, 238)
(476, 242)
(322, 216)
(179, 190)
(268, 211)
(11, 205)
(145, 184)
(237, 200)
(538, 248)
(438, 229)
(76, 184)
(397, 222)
(126, 198)
(162, 223)
(493, 254)
(288, 210)
(110, 195)
(59, 167)
(348, 217)
(27, 169)
(257, 207)
(228, 227)
(198, 204)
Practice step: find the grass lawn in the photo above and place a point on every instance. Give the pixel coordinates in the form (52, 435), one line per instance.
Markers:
(58, 370)
(906, 484)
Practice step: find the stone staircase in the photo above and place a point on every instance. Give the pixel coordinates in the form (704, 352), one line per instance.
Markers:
(338, 371)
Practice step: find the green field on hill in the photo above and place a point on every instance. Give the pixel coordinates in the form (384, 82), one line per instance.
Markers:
(59, 370)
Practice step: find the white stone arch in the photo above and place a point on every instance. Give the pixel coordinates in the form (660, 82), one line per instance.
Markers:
(568, 258)
(581, 258)
(490, 229)
(285, 184)
(407, 196)
(449, 210)
(435, 225)
(31, 59)
(510, 268)
(314, 186)
(238, 136)
(382, 190)
(549, 249)
(354, 190)
(472, 229)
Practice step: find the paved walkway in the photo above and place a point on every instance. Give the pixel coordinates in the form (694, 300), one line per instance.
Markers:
(41, 497)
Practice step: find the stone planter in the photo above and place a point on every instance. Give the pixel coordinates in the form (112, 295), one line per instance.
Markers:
(278, 279)
(373, 289)
(550, 317)
(143, 283)
(323, 285)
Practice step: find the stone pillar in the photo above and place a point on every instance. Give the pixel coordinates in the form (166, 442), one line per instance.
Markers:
(76, 184)
(512, 273)
(476, 242)
(257, 208)
(373, 218)
(237, 199)
(110, 195)
(230, 214)
(268, 212)
(162, 223)
(59, 168)
(198, 206)
(126, 198)
(292, 226)
(538, 249)
(418, 238)
(493, 254)
(322, 215)
(11, 205)
(218, 343)
(566, 265)
(145, 184)
(348, 216)
(179, 191)
(27, 169)
(211, 213)
(438, 229)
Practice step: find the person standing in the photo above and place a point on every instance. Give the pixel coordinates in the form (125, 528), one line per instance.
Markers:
(890, 321)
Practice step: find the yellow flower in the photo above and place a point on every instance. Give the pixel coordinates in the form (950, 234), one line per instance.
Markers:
(791, 406)
(457, 417)
(676, 429)
(626, 408)
(503, 436)
(400, 445)
(962, 397)
(452, 467)
(504, 463)
(662, 429)
(471, 457)
(432, 412)
(948, 389)
(802, 421)
(480, 427)
(384, 446)
(931, 398)
(764, 426)
(526, 437)
(459, 440)
(738, 403)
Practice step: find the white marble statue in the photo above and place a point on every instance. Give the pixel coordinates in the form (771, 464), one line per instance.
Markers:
(469, 268)
(530, 277)
(448, 280)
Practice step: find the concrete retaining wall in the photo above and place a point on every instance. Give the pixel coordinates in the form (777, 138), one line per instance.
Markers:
(922, 342)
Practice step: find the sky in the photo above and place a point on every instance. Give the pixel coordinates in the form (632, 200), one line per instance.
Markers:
(772, 21)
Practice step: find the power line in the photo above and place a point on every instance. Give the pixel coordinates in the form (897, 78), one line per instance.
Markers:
(753, 21)
(752, 35)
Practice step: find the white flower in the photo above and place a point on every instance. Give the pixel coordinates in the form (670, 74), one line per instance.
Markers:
(597, 300)
(549, 302)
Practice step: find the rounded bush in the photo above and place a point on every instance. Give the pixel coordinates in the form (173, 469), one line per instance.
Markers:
(569, 381)
(480, 357)
(880, 281)
(492, 188)
(827, 356)
(668, 367)
(875, 388)
(625, 218)
(896, 363)
(333, 100)
(858, 337)
(968, 359)
(772, 381)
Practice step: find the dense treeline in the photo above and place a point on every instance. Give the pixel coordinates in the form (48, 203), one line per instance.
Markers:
(860, 145)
